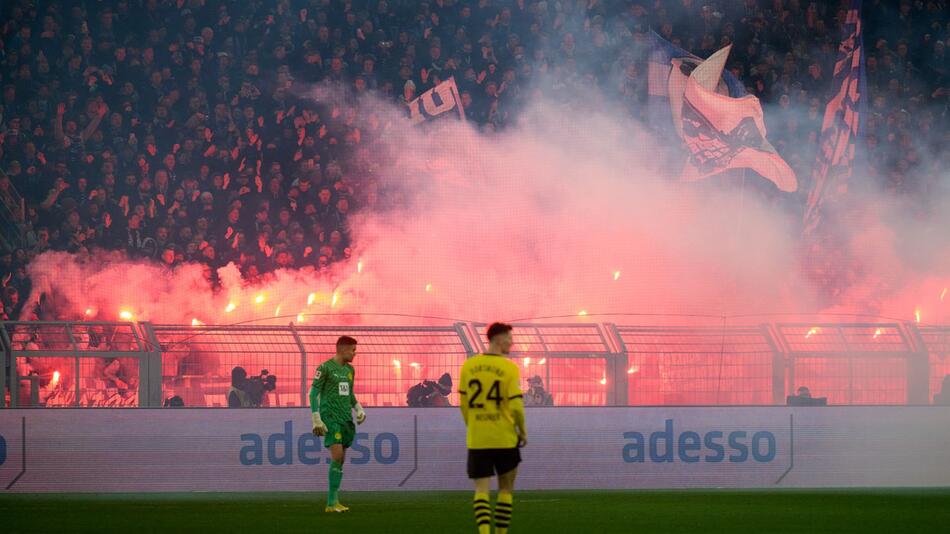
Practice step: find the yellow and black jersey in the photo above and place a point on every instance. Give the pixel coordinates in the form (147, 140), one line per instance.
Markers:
(490, 394)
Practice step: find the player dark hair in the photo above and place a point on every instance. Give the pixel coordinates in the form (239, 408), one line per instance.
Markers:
(498, 328)
(345, 341)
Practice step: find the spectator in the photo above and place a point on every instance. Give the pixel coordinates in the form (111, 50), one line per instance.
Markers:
(114, 374)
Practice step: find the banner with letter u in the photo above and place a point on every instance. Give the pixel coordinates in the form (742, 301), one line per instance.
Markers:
(436, 101)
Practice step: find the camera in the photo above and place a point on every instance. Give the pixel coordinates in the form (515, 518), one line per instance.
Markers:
(257, 385)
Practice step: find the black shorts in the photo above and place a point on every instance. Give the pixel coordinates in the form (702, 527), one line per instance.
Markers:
(483, 463)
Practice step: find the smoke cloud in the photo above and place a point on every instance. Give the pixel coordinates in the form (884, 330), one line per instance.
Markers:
(568, 213)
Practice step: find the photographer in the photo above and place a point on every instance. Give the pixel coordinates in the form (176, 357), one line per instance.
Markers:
(804, 398)
(237, 393)
(430, 394)
(536, 395)
(249, 392)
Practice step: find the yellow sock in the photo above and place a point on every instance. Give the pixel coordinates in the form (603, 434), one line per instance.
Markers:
(482, 512)
(503, 512)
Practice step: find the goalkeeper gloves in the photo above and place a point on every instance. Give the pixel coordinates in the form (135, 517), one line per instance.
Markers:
(360, 413)
(319, 428)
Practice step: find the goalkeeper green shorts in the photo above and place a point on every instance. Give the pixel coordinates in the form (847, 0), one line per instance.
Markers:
(342, 433)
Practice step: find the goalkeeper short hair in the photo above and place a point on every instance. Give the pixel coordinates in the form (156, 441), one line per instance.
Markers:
(345, 341)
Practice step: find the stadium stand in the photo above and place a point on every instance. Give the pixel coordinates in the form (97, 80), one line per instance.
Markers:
(176, 130)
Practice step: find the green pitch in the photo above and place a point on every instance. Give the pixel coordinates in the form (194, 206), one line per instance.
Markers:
(557, 512)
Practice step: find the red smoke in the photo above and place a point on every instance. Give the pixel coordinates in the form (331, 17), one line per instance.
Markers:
(563, 214)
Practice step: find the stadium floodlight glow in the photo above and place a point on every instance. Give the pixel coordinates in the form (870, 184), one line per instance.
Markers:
(616, 275)
(126, 315)
(230, 307)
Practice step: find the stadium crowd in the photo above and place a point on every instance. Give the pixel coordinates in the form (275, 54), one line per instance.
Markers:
(182, 130)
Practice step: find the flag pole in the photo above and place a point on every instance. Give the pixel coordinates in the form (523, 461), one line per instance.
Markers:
(458, 99)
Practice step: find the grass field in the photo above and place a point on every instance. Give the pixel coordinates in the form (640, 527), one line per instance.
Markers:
(552, 512)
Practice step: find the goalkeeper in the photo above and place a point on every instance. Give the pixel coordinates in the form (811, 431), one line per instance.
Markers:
(331, 394)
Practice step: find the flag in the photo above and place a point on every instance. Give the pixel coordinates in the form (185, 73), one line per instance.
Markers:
(840, 127)
(668, 68)
(436, 101)
(722, 132)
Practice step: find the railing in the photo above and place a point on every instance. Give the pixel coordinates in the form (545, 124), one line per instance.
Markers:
(699, 365)
(854, 363)
(574, 361)
(56, 364)
(197, 361)
(936, 339)
(94, 364)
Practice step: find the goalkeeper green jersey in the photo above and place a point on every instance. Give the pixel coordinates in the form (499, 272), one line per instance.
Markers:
(331, 392)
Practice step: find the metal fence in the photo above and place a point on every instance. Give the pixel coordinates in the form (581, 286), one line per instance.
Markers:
(59, 364)
(574, 361)
(76, 364)
(936, 340)
(197, 361)
(698, 365)
(854, 363)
